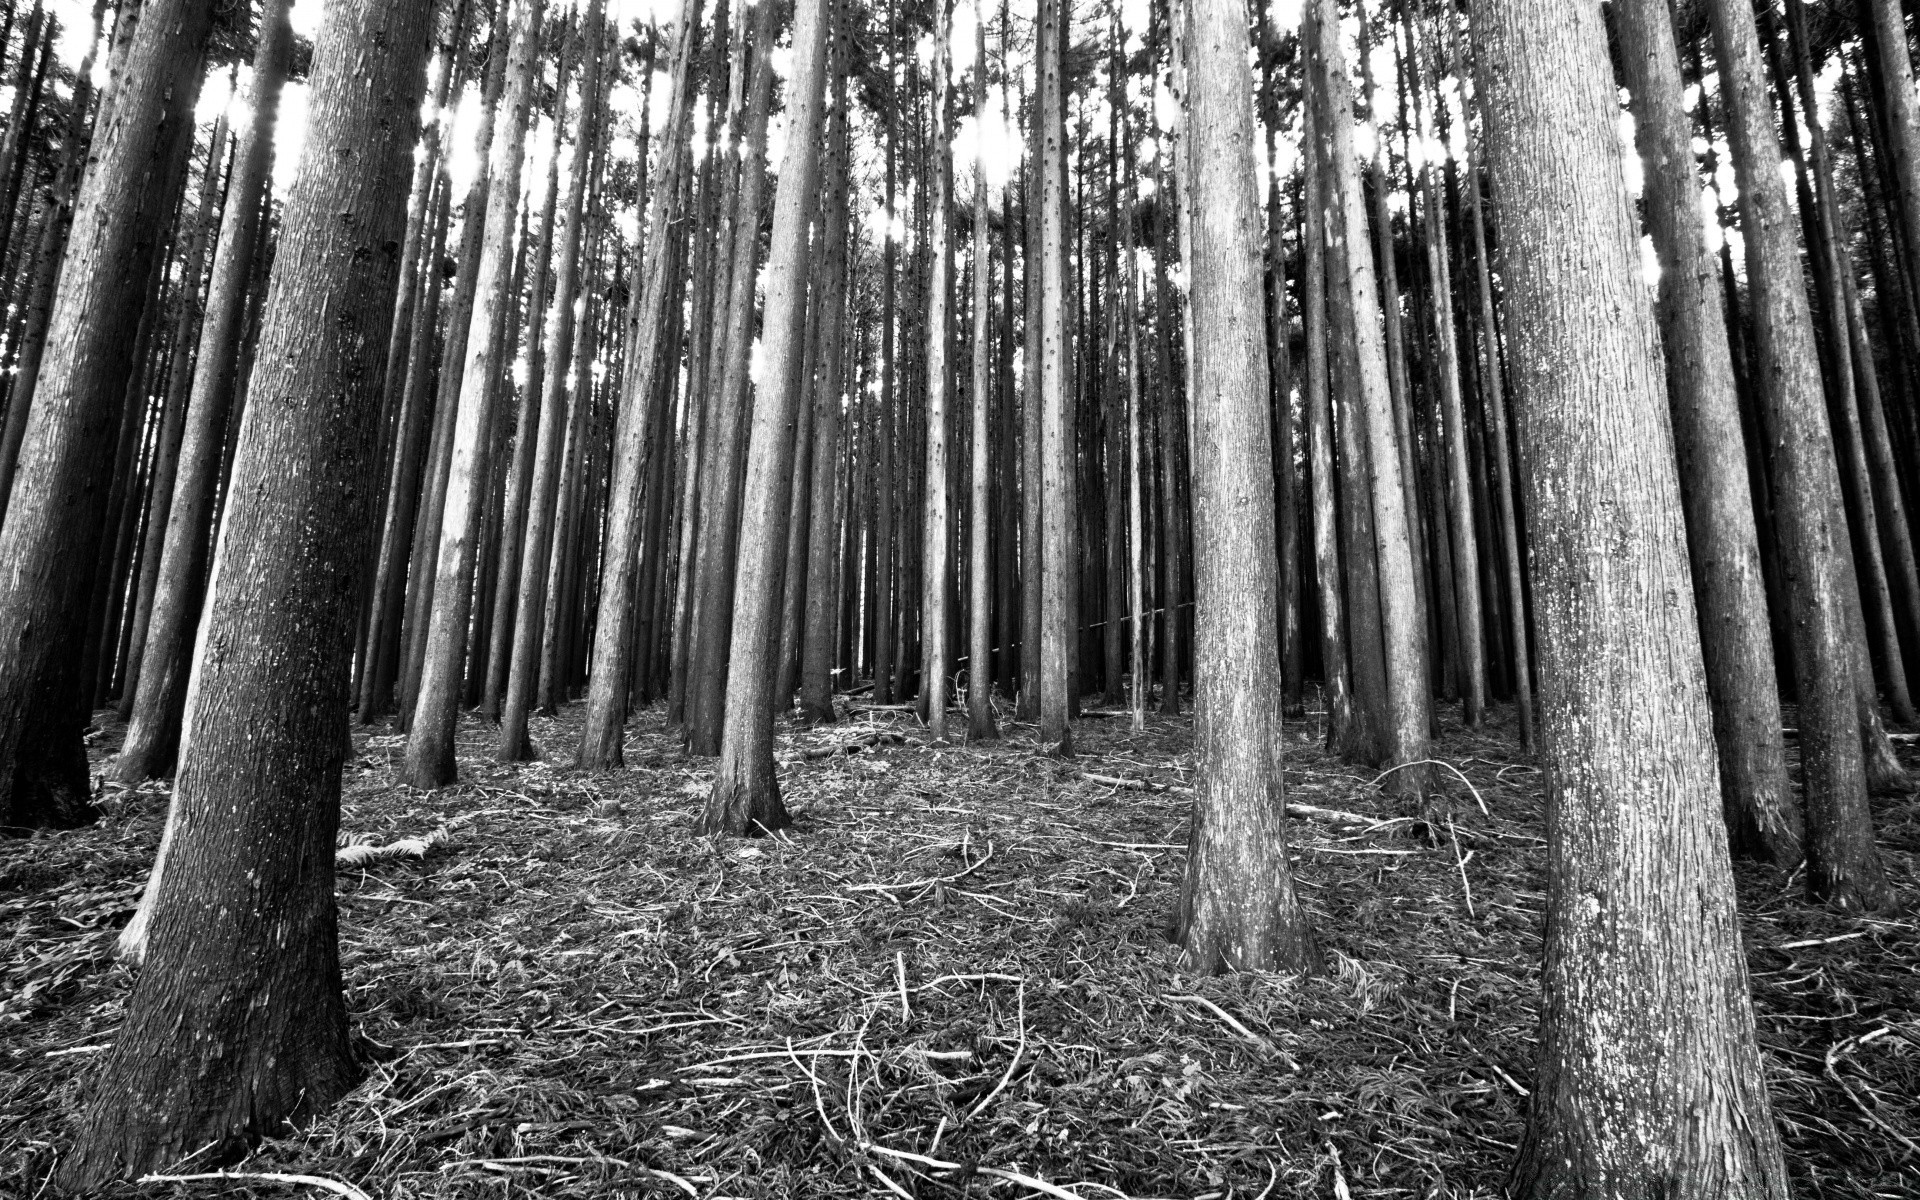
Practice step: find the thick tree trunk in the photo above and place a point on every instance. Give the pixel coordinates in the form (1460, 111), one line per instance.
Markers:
(53, 528)
(1649, 1082)
(1837, 713)
(746, 792)
(159, 703)
(237, 1023)
(1735, 641)
(1237, 909)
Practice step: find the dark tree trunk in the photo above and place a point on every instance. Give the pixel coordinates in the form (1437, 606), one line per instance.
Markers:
(237, 1022)
(53, 529)
(159, 702)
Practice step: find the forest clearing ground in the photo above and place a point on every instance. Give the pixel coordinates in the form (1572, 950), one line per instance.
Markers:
(956, 953)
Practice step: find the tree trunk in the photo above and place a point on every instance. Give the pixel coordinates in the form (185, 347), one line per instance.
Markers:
(1317, 402)
(1836, 700)
(605, 729)
(53, 529)
(746, 792)
(823, 534)
(531, 598)
(1237, 908)
(238, 1023)
(430, 738)
(1058, 642)
(1735, 641)
(153, 733)
(1649, 1080)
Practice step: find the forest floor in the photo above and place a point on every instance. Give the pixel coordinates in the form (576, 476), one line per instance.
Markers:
(950, 978)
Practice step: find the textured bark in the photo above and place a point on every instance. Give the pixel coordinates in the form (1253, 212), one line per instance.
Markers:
(1649, 1081)
(429, 759)
(506, 615)
(1402, 628)
(53, 528)
(159, 702)
(1463, 540)
(237, 1023)
(1494, 385)
(1734, 639)
(718, 557)
(604, 731)
(823, 535)
(535, 558)
(422, 573)
(935, 652)
(1058, 642)
(187, 315)
(1237, 910)
(1337, 692)
(980, 722)
(746, 791)
(1838, 719)
(1901, 113)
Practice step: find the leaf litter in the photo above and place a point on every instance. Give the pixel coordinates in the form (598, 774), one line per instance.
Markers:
(950, 978)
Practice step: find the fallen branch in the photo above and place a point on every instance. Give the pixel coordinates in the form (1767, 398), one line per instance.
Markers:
(1026, 1181)
(1234, 1024)
(320, 1181)
(888, 889)
(1840, 1050)
(1018, 1050)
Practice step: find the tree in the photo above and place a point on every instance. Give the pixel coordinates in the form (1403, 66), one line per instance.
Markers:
(159, 700)
(746, 791)
(543, 488)
(1734, 638)
(53, 529)
(820, 640)
(1237, 906)
(238, 1022)
(1838, 719)
(1056, 631)
(980, 723)
(600, 740)
(936, 530)
(1649, 1081)
(429, 761)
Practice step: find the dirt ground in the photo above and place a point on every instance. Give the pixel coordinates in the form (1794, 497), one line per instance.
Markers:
(949, 978)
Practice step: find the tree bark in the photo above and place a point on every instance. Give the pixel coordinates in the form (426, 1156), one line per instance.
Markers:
(1649, 1080)
(159, 704)
(53, 529)
(1837, 712)
(823, 536)
(531, 597)
(1237, 908)
(1734, 638)
(601, 738)
(1058, 643)
(430, 760)
(238, 1023)
(746, 790)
